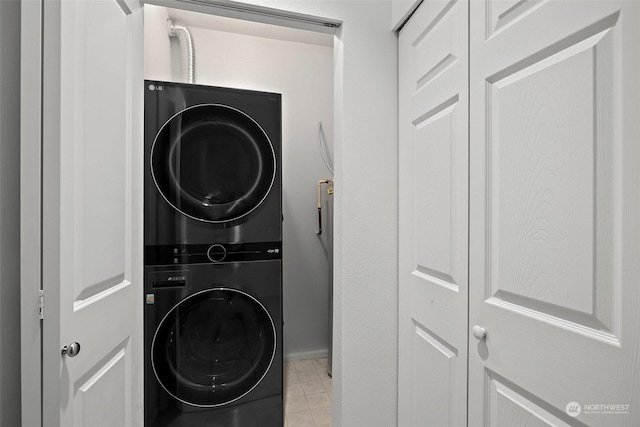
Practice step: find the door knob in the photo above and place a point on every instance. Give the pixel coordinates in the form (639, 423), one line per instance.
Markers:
(479, 332)
(71, 350)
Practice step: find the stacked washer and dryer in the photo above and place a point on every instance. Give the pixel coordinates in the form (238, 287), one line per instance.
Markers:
(213, 257)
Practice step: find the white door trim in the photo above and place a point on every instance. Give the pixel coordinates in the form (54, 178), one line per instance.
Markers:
(255, 13)
(30, 211)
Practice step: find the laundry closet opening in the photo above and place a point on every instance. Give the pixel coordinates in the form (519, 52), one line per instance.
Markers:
(299, 65)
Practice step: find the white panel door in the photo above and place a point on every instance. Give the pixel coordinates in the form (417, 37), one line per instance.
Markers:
(555, 196)
(433, 213)
(92, 145)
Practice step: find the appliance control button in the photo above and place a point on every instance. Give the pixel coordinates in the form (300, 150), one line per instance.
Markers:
(216, 253)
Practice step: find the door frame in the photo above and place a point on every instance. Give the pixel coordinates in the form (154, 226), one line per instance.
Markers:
(30, 211)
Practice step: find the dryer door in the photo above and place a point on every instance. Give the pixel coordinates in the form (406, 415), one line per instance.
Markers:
(213, 347)
(213, 163)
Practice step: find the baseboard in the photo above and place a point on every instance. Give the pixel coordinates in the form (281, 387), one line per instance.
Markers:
(306, 355)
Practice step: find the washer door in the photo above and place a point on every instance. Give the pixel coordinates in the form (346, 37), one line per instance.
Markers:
(213, 163)
(213, 347)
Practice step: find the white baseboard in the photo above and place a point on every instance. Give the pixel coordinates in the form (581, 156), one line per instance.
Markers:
(306, 355)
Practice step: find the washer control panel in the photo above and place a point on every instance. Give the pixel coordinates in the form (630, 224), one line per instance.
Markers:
(211, 253)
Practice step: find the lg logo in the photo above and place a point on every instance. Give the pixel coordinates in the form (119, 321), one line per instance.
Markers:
(573, 409)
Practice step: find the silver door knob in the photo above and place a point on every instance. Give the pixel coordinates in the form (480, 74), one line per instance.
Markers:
(479, 332)
(71, 350)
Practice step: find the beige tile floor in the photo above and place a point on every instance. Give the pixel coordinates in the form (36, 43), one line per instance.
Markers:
(307, 393)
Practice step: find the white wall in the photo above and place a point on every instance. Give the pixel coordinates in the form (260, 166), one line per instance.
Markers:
(9, 213)
(366, 205)
(157, 54)
(303, 74)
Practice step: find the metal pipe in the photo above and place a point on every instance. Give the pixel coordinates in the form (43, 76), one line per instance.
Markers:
(320, 183)
(187, 50)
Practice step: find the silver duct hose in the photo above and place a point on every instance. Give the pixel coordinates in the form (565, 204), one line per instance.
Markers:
(187, 50)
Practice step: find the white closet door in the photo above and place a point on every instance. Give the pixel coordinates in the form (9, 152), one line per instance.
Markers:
(92, 212)
(433, 216)
(555, 196)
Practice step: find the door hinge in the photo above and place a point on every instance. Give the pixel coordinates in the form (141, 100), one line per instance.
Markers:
(41, 304)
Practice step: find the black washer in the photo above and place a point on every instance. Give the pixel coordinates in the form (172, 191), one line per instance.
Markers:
(213, 347)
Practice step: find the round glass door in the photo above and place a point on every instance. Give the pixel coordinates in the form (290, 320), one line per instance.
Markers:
(213, 347)
(213, 163)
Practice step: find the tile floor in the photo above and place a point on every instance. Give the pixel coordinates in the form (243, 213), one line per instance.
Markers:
(307, 393)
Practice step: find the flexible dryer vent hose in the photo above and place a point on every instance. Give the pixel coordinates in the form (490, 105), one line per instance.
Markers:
(187, 50)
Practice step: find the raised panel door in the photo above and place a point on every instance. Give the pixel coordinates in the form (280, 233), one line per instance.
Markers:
(433, 216)
(91, 236)
(555, 238)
